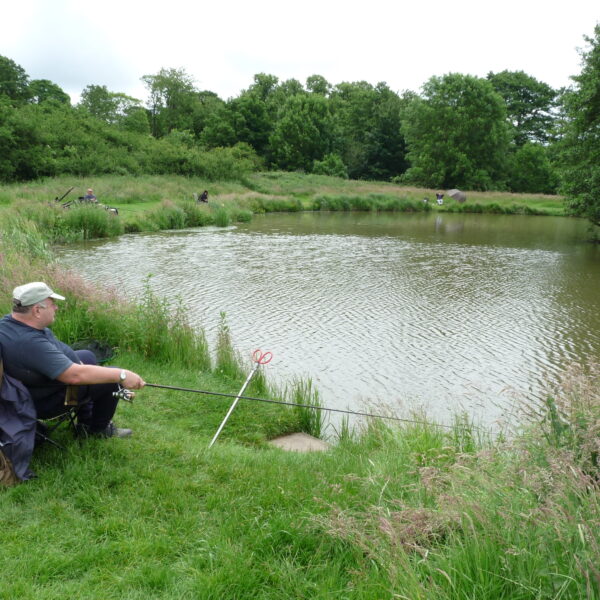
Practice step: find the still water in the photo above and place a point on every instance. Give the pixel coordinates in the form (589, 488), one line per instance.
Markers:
(446, 312)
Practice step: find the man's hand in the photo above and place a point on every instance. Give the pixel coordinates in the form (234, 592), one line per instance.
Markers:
(133, 381)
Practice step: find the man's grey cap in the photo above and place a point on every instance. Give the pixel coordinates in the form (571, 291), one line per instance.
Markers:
(34, 292)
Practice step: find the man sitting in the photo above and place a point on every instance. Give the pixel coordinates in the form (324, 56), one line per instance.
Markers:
(89, 197)
(46, 366)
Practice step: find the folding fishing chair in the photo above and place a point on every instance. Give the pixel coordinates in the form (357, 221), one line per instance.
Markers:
(46, 427)
(102, 353)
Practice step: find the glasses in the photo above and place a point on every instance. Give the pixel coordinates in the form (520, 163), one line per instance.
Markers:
(52, 305)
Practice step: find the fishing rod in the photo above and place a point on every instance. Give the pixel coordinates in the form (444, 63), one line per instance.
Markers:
(270, 401)
(263, 358)
(57, 199)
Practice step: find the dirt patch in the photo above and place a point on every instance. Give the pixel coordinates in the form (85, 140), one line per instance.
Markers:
(300, 442)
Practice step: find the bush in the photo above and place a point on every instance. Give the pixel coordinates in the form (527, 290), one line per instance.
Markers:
(47, 140)
(243, 216)
(332, 164)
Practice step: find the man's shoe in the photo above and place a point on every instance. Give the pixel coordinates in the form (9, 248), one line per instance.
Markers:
(111, 430)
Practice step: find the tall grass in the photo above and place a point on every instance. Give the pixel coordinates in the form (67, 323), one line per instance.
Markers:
(91, 221)
(267, 204)
(60, 225)
(311, 420)
(368, 202)
(571, 418)
(499, 209)
(221, 216)
(161, 331)
(228, 360)
(475, 526)
(22, 237)
(167, 216)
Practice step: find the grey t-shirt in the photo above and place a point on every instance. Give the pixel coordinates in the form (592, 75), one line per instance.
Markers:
(34, 356)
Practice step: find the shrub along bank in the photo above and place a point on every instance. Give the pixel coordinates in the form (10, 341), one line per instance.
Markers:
(415, 511)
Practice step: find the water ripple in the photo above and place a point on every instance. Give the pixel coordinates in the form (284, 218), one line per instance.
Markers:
(401, 317)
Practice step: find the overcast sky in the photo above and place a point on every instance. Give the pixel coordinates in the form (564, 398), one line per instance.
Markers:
(222, 44)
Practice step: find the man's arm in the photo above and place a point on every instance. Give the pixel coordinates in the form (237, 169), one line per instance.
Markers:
(78, 374)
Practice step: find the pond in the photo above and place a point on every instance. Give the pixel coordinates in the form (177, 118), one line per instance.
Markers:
(447, 312)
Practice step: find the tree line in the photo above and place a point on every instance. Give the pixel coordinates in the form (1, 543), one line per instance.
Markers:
(507, 131)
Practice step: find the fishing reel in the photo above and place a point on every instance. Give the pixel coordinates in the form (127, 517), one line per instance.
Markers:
(124, 394)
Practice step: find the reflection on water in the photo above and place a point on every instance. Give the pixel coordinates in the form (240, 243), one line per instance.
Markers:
(451, 311)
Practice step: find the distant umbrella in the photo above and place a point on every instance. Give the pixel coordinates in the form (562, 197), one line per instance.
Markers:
(457, 195)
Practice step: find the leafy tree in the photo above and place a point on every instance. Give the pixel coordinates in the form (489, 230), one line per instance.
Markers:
(317, 84)
(529, 105)
(352, 104)
(303, 133)
(249, 118)
(97, 100)
(206, 104)
(171, 101)
(581, 143)
(457, 134)
(280, 95)
(219, 129)
(42, 90)
(252, 116)
(531, 170)
(369, 133)
(264, 85)
(114, 108)
(251, 121)
(7, 140)
(135, 121)
(386, 147)
(14, 81)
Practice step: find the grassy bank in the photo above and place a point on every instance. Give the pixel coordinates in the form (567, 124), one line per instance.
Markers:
(407, 512)
(390, 511)
(156, 203)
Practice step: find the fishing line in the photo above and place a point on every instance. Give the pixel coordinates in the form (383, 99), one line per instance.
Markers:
(339, 410)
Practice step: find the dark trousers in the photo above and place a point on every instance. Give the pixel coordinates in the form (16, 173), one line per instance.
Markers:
(97, 403)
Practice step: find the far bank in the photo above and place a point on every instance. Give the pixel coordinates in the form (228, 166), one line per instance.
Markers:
(152, 203)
